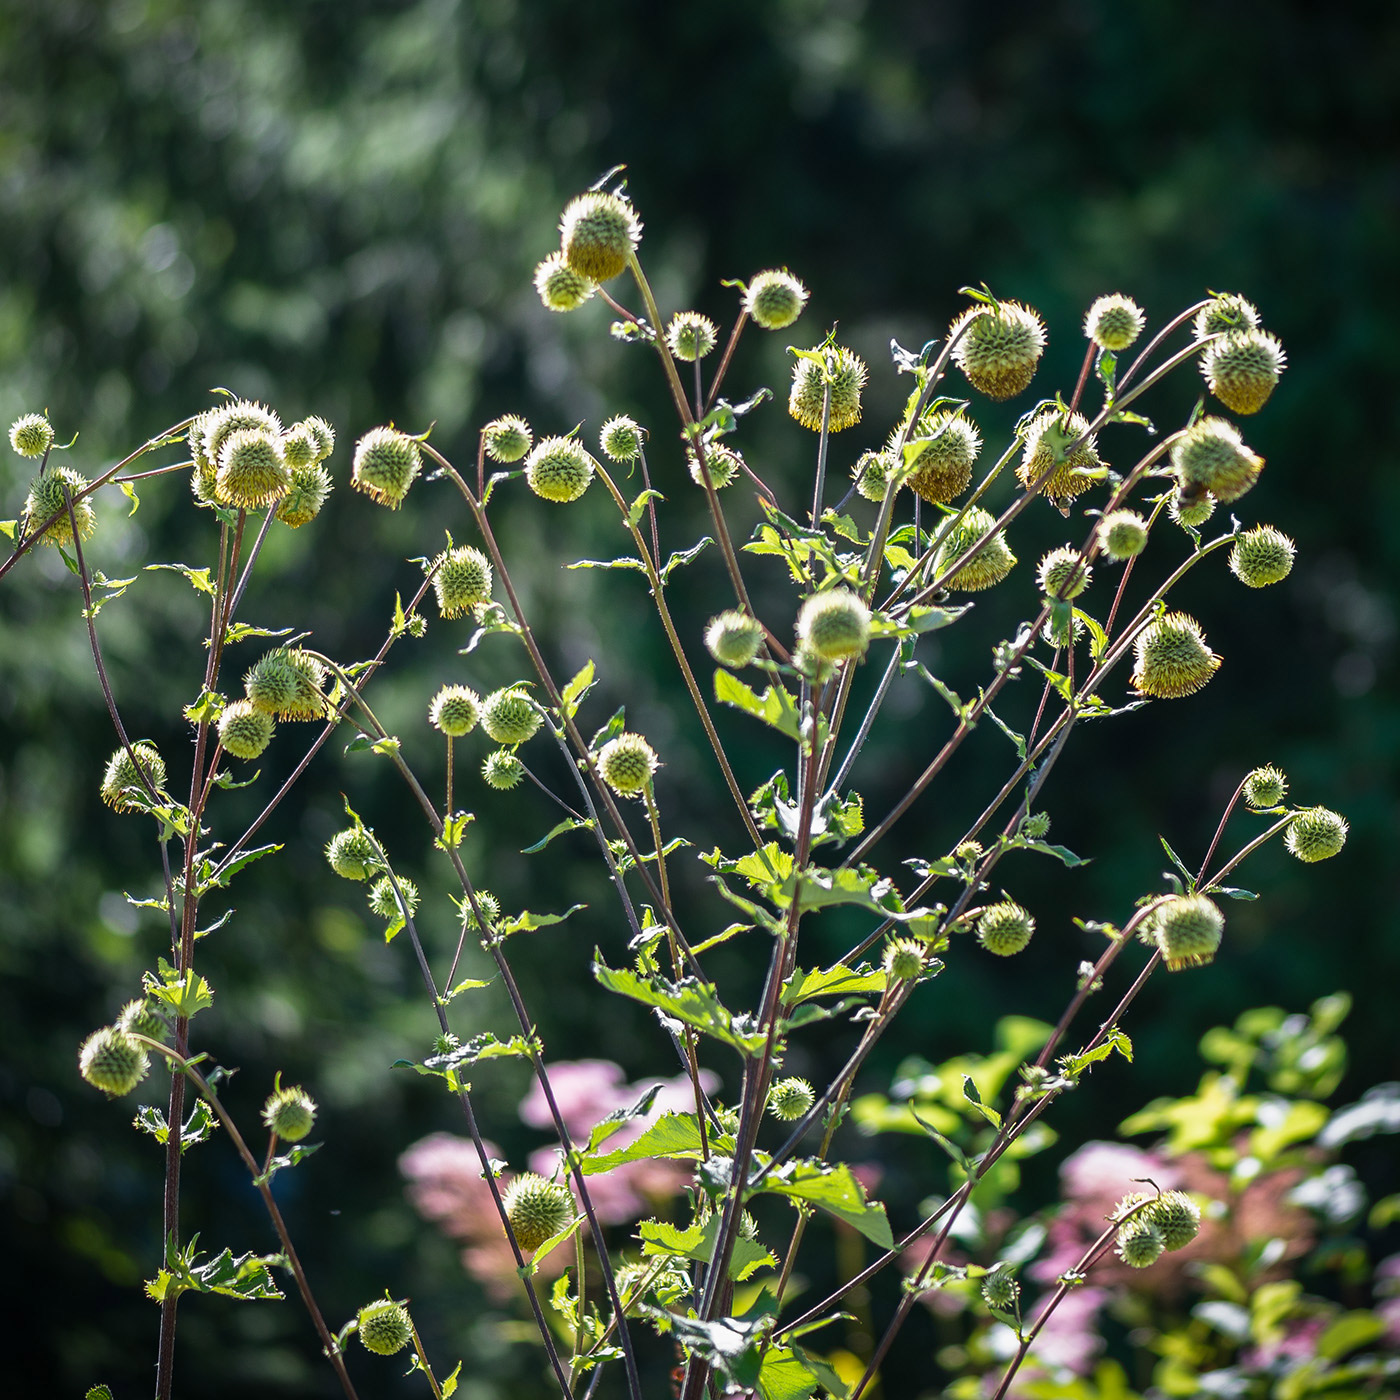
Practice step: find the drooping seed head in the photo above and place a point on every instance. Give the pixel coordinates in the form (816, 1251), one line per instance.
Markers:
(454, 710)
(560, 288)
(502, 770)
(1122, 535)
(1114, 322)
(1000, 1290)
(622, 439)
(733, 639)
(386, 464)
(111, 1061)
(305, 497)
(724, 463)
(559, 469)
(790, 1099)
(904, 958)
(598, 233)
(537, 1209)
(845, 372)
(353, 854)
(691, 336)
(1265, 787)
(834, 625)
(509, 716)
(998, 347)
(290, 1113)
(988, 566)
(122, 788)
(31, 434)
(1052, 434)
(872, 474)
(1242, 369)
(1187, 928)
(1177, 1218)
(1140, 1242)
(507, 439)
(1063, 574)
(1171, 658)
(626, 764)
(385, 1327)
(1211, 456)
(1316, 834)
(1005, 928)
(287, 684)
(1227, 312)
(462, 580)
(244, 730)
(774, 299)
(947, 445)
(139, 1017)
(46, 498)
(384, 899)
(1192, 511)
(1262, 556)
(242, 415)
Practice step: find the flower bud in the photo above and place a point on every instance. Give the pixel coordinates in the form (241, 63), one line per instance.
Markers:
(988, 566)
(384, 899)
(385, 1327)
(790, 1099)
(948, 445)
(244, 730)
(1261, 556)
(1171, 658)
(46, 498)
(509, 716)
(1265, 787)
(462, 580)
(774, 300)
(537, 1209)
(1316, 834)
(626, 764)
(1211, 456)
(1063, 574)
(622, 439)
(561, 288)
(691, 336)
(122, 788)
(1122, 535)
(872, 474)
(1227, 312)
(733, 639)
(386, 464)
(1005, 929)
(353, 854)
(1140, 1242)
(834, 625)
(1187, 928)
(111, 1061)
(502, 770)
(1242, 369)
(31, 435)
(998, 347)
(1000, 1290)
(904, 958)
(1176, 1217)
(846, 374)
(305, 497)
(455, 710)
(290, 1113)
(1051, 432)
(559, 469)
(598, 233)
(507, 439)
(287, 684)
(724, 463)
(1114, 322)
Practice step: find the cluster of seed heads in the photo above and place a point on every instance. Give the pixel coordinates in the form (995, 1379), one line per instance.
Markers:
(1167, 1221)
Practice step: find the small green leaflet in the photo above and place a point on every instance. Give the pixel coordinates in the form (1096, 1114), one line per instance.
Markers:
(198, 578)
(240, 631)
(246, 1277)
(185, 994)
(774, 707)
(567, 825)
(634, 511)
(690, 1001)
(673, 1135)
(626, 562)
(577, 688)
(830, 982)
(195, 1129)
(835, 1190)
(682, 557)
(526, 922)
(1116, 1040)
(698, 1242)
(971, 1094)
(99, 1392)
(298, 1152)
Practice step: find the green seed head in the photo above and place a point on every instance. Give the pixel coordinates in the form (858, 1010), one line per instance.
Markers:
(219, 424)
(455, 710)
(1316, 834)
(507, 439)
(537, 1209)
(509, 716)
(626, 764)
(353, 854)
(490, 907)
(290, 1113)
(968, 852)
(724, 463)
(1262, 556)
(1114, 322)
(140, 1018)
(1187, 928)
(252, 471)
(622, 439)
(386, 464)
(1265, 787)
(1242, 369)
(502, 770)
(691, 336)
(834, 625)
(1172, 658)
(998, 347)
(111, 1061)
(948, 445)
(385, 1327)
(305, 497)
(1036, 826)
(789, 1099)
(1005, 929)
(1062, 574)
(1140, 1242)
(1000, 1290)
(775, 299)
(462, 580)
(31, 435)
(559, 469)
(1210, 456)
(845, 371)
(46, 498)
(1192, 511)
(322, 434)
(598, 233)
(1177, 1218)
(562, 289)
(1227, 312)
(988, 566)
(287, 685)
(244, 730)
(384, 901)
(122, 788)
(1122, 535)
(733, 639)
(299, 446)
(872, 474)
(904, 958)
(1048, 433)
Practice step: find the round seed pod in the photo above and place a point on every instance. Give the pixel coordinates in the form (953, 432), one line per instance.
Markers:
(1036, 826)
(1265, 787)
(987, 567)
(537, 1209)
(724, 463)
(904, 958)
(872, 474)
(1000, 1291)
(299, 446)
(1171, 658)
(383, 900)
(1316, 834)
(502, 770)
(1005, 929)
(1114, 322)
(252, 471)
(509, 716)
(138, 1017)
(626, 764)
(559, 469)
(46, 498)
(1210, 456)
(1191, 512)
(790, 1099)
(1063, 574)
(305, 497)
(242, 415)
(462, 580)
(244, 730)
(1226, 312)
(1122, 535)
(1140, 1243)
(733, 639)
(507, 439)
(290, 1113)
(31, 435)
(353, 854)
(560, 288)
(322, 434)
(774, 299)
(385, 1327)
(386, 464)
(1242, 369)
(622, 439)
(998, 347)
(1187, 928)
(968, 852)
(455, 710)
(1177, 1218)
(834, 625)
(846, 372)
(948, 446)
(1262, 556)
(122, 788)
(598, 233)
(490, 907)
(287, 685)
(111, 1061)
(691, 336)
(1063, 480)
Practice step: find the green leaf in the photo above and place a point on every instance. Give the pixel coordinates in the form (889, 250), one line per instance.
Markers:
(626, 562)
(775, 707)
(673, 1135)
(1351, 1330)
(830, 982)
(95, 1392)
(239, 862)
(1061, 853)
(568, 824)
(186, 994)
(698, 1242)
(194, 1130)
(1019, 740)
(206, 709)
(835, 1190)
(975, 1099)
(683, 557)
(526, 922)
(469, 984)
(1176, 861)
(577, 688)
(453, 829)
(246, 1277)
(198, 578)
(690, 1001)
(723, 936)
(1116, 1041)
(448, 1065)
(634, 511)
(785, 1376)
(449, 1383)
(729, 1344)
(298, 1152)
(240, 631)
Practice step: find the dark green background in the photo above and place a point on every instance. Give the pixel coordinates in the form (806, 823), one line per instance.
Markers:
(336, 207)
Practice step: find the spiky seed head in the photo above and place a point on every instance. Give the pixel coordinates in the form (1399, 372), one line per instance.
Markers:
(1177, 1218)
(1114, 322)
(559, 469)
(1316, 834)
(1227, 312)
(1187, 928)
(691, 336)
(1242, 369)
(462, 580)
(31, 434)
(774, 299)
(509, 716)
(122, 788)
(385, 1327)
(455, 710)
(386, 464)
(1140, 1242)
(537, 1209)
(1005, 928)
(834, 625)
(998, 347)
(1171, 658)
(111, 1061)
(353, 854)
(502, 770)
(290, 1113)
(904, 958)
(1191, 512)
(1265, 787)
(1211, 456)
(1000, 1290)
(1262, 556)
(789, 1099)
(299, 446)
(1036, 826)
(1122, 535)
(287, 684)
(733, 639)
(622, 439)
(846, 373)
(872, 474)
(626, 764)
(46, 499)
(242, 415)
(968, 852)
(244, 730)
(1063, 574)
(252, 471)
(490, 907)
(305, 497)
(1064, 627)
(948, 445)
(598, 233)
(139, 1017)
(560, 288)
(1051, 432)
(321, 433)
(507, 439)
(988, 566)
(724, 463)
(384, 901)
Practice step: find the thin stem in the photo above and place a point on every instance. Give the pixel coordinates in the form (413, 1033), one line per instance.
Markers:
(822, 440)
(739, 324)
(423, 1362)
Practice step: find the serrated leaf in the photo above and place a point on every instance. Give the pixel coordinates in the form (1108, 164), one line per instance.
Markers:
(681, 558)
(567, 825)
(577, 688)
(834, 1189)
(246, 1277)
(239, 862)
(774, 707)
(971, 1094)
(206, 709)
(453, 830)
(691, 1001)
(1061, 853)
(98, 1392)
(240, 631)
(449, 1383)
(784, 1375)
(634, 511)
(469, 984)
(698, 1242)
(298, 1152)
(526, 922)
(1233, 892)
(625, 562)
(198, 578)
(834, 981)
(610, 730)
(673, 1135)
(186, 994)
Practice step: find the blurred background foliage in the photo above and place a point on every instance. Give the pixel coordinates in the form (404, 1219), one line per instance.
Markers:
(336, 207)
